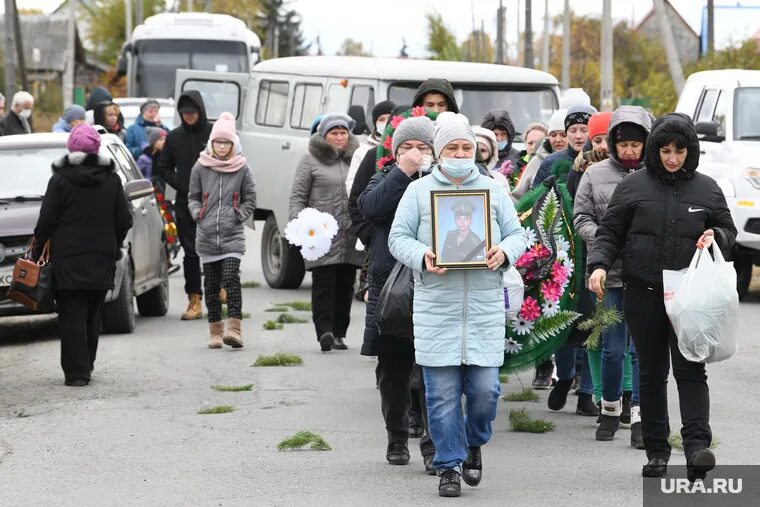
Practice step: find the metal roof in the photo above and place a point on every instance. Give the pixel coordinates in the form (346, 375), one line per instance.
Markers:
(49, 35)
(401, 69)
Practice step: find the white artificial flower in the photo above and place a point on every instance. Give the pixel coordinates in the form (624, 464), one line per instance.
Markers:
(313, 231)
(329, 225)
(563, 248)
(293, 233)
(550, 308)
(530, 235)
(512, 347)
(313, 253)
(522, 326)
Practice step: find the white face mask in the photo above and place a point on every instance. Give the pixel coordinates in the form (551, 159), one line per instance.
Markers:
(380, 126)
(427, 161)
(25, 113)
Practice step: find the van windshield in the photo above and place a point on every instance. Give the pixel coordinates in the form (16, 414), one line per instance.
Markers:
(525, 105)
(159, 59)
(746, 121)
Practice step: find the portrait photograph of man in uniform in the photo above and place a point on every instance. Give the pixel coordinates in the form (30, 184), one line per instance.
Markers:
(461, 230)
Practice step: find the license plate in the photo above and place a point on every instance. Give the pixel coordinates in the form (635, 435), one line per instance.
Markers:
(6, 276)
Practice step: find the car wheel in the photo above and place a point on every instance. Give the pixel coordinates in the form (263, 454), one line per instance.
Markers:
(119, 315)
(155, 302)
(281, 262)
(743, 266)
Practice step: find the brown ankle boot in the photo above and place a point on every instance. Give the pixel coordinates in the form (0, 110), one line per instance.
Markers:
(216, 331)
(233, 336)
(194, 309)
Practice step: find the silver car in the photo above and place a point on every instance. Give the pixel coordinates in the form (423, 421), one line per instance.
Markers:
(142, 269)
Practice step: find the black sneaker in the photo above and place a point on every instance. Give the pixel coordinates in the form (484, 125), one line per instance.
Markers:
(326, 341)
(586, 406)
(699, 463)
(77, 382)
(472, 468)
(542, 379)
(558, 396)
(429, 468)
(657, 467)
(397, 454)
(625, 417)
(339, 343)
(449, 485)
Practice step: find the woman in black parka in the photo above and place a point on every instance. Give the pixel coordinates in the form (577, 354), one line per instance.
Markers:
(86, 216)
(656, 218)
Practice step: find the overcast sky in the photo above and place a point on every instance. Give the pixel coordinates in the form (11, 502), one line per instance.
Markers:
(382, 24)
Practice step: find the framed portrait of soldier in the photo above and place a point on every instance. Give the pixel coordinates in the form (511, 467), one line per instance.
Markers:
(461, 223)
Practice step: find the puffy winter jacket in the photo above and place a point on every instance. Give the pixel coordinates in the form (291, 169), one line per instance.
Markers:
(544, 170)
(137, 135)
(458, 316)
(529, 174)
(655, 218)
(320, 182)
(500, 119)
(220, 203)
(598, 184)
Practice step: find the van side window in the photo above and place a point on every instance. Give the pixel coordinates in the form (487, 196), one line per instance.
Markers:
(337, 99)
(719, 116)
(272, 103)
(363, 95)
(707, 106)
(307, 99)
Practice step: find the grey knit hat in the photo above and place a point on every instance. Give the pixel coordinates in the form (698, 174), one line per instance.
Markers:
(419, 128)
(333, 120)
(450, 127)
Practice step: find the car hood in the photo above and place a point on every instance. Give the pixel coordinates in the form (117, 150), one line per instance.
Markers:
(18, 218)
(743, 153)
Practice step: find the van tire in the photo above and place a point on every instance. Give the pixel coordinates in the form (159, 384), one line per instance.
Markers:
(155, 302)
(119, 315)
(743, 266)
(281, 262)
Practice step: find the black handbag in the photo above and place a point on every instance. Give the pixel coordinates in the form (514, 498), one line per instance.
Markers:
(393, 314)
(32, 283)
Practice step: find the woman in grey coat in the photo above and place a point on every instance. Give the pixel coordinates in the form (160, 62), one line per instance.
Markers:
(320, 182)
(221, 198)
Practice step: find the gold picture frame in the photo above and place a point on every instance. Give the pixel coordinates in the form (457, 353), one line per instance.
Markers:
(461, 225)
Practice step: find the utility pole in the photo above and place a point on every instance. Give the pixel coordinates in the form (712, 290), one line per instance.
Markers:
(674, 61)
(189, 5)
(10, 61)
(566, 47)
(138, 12)
(19, 50)
(606, 78)
(127, 20)
(710, 26)
(529, 34)
(208, 5)
(483, 48)
(547, 36)
(68, 74)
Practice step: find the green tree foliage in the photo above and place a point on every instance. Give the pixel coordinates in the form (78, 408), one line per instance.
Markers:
(477, 48)
(351, 47)
(275, 22)
(442, 43)
(107, 25)
(244, 10)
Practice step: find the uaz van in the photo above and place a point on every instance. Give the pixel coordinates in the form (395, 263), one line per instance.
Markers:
(277, 102)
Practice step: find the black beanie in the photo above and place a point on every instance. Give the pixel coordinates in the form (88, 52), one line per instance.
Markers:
(381, 108)
(628, 131)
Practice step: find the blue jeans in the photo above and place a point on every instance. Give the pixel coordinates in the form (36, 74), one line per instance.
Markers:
(634, 375)
(614, 346)
(452, 430)
(565, 358)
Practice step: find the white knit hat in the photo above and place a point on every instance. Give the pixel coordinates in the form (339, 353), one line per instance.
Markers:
(451, 127)
(574, 97)
(557, 121)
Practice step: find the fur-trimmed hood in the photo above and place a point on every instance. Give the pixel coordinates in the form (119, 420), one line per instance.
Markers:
(326, 154)
(84, 169)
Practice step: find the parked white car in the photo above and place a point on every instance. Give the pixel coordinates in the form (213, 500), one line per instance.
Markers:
(277, 102)
(724, 106)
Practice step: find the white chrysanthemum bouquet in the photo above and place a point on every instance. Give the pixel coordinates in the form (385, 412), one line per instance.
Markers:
(313, 231)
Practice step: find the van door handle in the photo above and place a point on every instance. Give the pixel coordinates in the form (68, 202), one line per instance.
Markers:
(285, 145)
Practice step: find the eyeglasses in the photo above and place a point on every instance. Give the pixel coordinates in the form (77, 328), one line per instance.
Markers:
(222, 144)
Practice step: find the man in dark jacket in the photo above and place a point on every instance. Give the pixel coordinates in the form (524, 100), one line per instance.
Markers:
(86, 216)
(181, 150)
(656, 219)
(499, 121)
(436, 95)
(18, 119)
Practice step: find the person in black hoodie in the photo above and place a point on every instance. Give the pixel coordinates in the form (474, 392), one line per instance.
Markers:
(436, 95)
(413, 145)
(86, 216)
(182, 147)
(500, 123)
(655, 219)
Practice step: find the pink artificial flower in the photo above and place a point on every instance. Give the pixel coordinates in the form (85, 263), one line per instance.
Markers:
(506, 168)
(559, 273)
(551, 291)
(418, 111)
(524, 260)
(388, 143)
(396, 120)
(530, 310)
(539, 251)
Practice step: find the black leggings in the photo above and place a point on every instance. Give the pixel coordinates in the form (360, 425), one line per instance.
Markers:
(224, 273)
(332, 291)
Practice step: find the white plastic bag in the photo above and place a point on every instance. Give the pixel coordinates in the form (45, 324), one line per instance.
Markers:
(514, 292)
(703, 306)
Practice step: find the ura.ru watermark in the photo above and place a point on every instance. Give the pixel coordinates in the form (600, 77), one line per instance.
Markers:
(708, 486)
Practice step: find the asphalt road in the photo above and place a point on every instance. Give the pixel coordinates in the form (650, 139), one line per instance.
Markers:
(133, 436)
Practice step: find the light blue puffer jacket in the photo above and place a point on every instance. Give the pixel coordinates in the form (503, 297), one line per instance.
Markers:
(458, 316)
